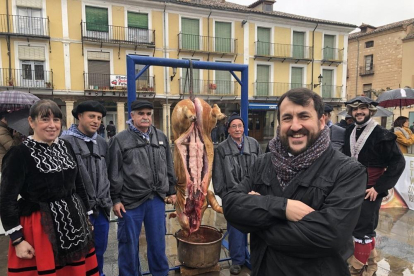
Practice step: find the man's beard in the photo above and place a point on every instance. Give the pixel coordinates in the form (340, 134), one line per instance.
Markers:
(366, 119)
(311, 138)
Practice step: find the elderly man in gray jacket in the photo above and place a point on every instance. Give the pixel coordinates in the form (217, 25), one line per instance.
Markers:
(141, 174)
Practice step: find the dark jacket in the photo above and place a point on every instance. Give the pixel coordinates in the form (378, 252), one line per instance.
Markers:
(337, 136)
(321, 242)
(380, 151)
(230, 166)
(138, 169)
(111, 130)
(342, 124)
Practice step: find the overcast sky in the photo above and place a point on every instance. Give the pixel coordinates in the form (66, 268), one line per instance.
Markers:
(373, 12)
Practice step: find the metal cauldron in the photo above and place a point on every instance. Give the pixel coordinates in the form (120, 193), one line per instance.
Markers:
(201, 249)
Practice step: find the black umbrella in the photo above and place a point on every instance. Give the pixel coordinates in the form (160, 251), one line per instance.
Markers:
(12, 100)
(397, 98)
(18, 121)
(381, 112)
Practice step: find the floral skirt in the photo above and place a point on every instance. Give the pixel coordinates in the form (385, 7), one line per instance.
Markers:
(44, 262)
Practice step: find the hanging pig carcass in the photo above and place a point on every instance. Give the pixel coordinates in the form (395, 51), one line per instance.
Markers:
(192, 123)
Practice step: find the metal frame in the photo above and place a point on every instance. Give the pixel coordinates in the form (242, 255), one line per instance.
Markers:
(131, 60)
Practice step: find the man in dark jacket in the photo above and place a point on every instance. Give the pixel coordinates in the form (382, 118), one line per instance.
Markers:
(91, 150)
(344, 123)
(232, 160)
(376, 149)
(337, 133)
(141, 173)
(111, 129)
(302, 199)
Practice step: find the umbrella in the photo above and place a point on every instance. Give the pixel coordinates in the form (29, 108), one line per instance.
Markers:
(18, 121)
(381, 112)
(12, 100)
(396, 98)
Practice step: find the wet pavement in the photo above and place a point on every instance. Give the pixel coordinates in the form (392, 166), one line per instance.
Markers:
(395, 244)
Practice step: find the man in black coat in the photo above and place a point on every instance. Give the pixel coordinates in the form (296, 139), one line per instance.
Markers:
(303, 200)
(375, 148)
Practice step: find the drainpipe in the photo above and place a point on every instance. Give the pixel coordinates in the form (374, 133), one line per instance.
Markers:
(313, 52)
(8, 38)
(357, 68)
(167, 117)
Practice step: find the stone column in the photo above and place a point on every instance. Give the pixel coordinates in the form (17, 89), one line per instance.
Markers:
(166, 121)
(69, 117)
(120, 110)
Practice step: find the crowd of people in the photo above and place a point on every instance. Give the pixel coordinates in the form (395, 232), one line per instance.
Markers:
(311, 203)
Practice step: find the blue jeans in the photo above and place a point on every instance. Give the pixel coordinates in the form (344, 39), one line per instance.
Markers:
(101, 230)
(152, 213)
(237, 245)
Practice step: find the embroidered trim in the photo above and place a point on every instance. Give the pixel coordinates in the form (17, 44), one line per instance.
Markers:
(54, 158)
(356, 146)
(14, 229)
(363, 241)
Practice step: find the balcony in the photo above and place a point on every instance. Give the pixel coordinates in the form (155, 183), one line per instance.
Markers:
(275, 89)
(331, 91)
(207, 44)
(366, 70)
(332, 56)
(95, 82)
(205, 87)
(26, 78)
(118, 35)
(25, 26)
(269, 51)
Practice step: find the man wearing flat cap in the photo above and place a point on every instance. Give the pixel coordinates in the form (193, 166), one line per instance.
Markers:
(91, 151)
(376, 149)
(141, 173)
(233, 159)
(336, 133)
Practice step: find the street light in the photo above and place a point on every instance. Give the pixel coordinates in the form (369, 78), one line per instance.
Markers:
(320, 81)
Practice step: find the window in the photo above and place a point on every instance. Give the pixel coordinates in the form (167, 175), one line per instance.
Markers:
(369, 63)
(327, 84)
(96, 19)
(298, 45)
(144, 82)
(186, 79)
(367, 88)
(99, 71)
(138, 27)
(223, 41)
(223, 82)
(262, 82)
(263, 41)
(33, 74)
(296, 77)
(30, 21)
(267, 7)
(369, 44)
(190, 29)
(329, 47)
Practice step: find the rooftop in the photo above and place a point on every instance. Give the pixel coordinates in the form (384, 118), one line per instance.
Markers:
(379, 29)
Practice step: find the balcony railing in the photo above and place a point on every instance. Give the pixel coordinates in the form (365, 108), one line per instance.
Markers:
(24, 25)
(113, 82)
(332, 54)
(267, 49)
(189, 42)
(275, 89)
(205, 87)
(366, 70)
(25, 78)
(117, 34)
(331, 91)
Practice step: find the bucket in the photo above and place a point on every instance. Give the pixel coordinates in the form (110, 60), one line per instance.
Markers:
(201, 249)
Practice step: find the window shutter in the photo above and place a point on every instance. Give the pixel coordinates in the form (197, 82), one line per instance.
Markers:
(31, 53)
(223, 81)
(138, 20)
(298, 44)
(329, 45)
(262, 88)
(327, 86)
(263, 41)
(190, 34)
(99, 56)
(223, 39)
(29, 3)
(96, 19)
(296, 78)
(98, 74)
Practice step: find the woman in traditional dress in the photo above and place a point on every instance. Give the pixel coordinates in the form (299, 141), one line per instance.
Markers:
(405, 138)
(48, 226)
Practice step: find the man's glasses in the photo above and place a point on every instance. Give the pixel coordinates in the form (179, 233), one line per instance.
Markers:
(236, 126)
(141, 113)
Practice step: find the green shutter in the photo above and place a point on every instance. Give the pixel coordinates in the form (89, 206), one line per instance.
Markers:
(296, 77)
(262, 85)
(263, 41)
(223, 39)
(196, 79)
(190, 34)
(329, 47)
(298, 45)
(327, 83)
(137, 20)
(223, 82)
(96, 19)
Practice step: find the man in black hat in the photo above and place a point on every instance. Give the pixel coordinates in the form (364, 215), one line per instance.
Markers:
(141, 173)
(344, 123)
(91, 149)
(337, 133)
(376, 149)
(232, 161)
